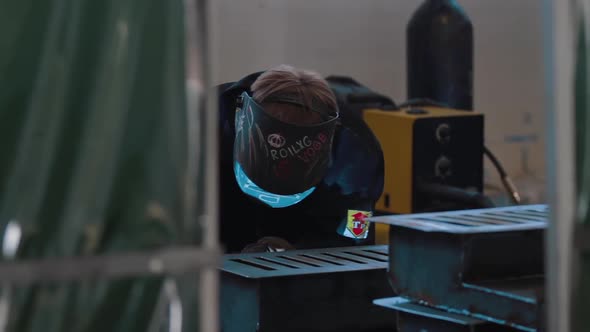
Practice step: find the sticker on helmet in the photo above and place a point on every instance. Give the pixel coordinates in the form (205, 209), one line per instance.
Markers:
(357, 225)
(276, 140)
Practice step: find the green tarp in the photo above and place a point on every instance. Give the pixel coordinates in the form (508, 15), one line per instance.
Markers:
(93, 150)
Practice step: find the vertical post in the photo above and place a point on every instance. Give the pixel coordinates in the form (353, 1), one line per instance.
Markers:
(202, 106)
(210, 275)
(559, 60)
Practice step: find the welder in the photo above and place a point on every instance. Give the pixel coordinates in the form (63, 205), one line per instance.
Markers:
(297, 170)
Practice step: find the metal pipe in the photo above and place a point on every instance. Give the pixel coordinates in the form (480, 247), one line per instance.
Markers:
(203, 106)
(175, 261)
(558, 34)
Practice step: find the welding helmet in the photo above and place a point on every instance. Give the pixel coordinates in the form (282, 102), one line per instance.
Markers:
(276, 162)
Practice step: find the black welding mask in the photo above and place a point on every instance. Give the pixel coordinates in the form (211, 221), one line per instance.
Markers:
(276, 162)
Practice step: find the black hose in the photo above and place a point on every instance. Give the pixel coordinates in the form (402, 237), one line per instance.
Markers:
(506, 181)
(456, 195)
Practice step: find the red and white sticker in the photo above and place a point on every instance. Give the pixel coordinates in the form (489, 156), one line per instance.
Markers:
(357, 225)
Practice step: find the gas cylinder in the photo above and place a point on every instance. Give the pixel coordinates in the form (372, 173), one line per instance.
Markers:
(440, 54)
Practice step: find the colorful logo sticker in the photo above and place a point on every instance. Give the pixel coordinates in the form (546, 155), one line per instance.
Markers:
(357, 225)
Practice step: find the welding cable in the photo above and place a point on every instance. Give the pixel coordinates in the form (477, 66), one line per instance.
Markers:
(506, 181)
(452, 194)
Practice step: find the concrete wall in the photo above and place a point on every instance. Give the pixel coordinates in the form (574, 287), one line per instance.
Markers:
(366, 40)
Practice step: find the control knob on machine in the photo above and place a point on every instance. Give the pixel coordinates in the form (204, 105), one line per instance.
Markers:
(443, 133)
(442, 167)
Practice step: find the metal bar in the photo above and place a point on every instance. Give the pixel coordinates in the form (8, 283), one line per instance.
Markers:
(247, 268)
(356, 259)
(527, 215)
(483, 220)
(368, 254)
(201, 65)
(303, 260)
(283, 262)
(453, 221)
(559, 59)
(508, 218)
(172, 261)
(381, 250)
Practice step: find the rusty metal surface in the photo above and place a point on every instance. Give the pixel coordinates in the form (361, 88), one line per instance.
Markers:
(487, 264)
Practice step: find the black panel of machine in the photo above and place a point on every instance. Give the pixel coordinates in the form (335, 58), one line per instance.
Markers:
(448, 151)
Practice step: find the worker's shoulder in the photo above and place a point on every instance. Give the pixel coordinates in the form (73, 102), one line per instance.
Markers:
(357, 166)
(357, 159)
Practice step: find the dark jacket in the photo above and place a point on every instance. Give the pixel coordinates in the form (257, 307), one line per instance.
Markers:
(353, 182)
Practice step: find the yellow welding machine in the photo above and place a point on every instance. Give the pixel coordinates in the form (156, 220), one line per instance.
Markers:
(425, 145)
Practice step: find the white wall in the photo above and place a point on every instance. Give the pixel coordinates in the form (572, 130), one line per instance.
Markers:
(366, 40)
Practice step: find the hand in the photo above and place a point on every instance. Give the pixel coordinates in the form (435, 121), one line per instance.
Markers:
(268, 244)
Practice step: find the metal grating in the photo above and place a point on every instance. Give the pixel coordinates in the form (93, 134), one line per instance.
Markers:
(410, 307)
(412, 316)
(301, 262)
(511, 218)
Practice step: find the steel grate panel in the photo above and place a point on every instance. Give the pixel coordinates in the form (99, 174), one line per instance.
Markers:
(501, 219)
(481, 220)
(300, 262)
